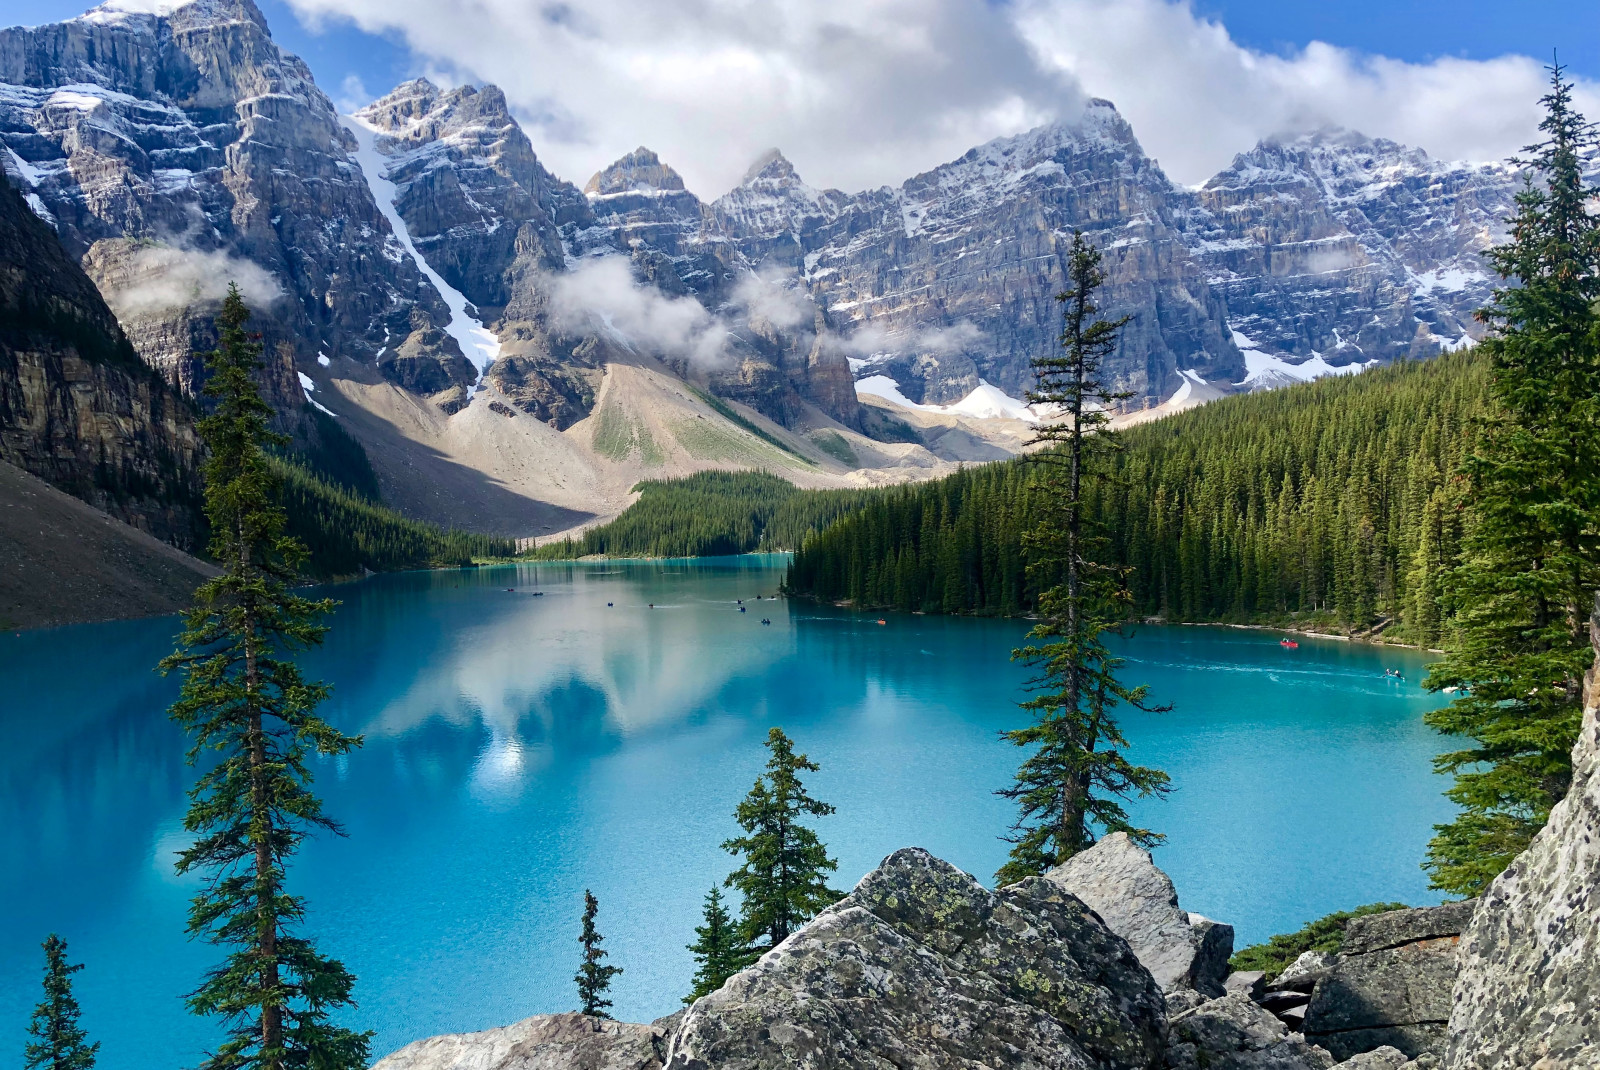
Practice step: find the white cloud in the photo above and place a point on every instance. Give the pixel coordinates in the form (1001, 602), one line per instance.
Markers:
(163, 277)
(602, 294)
(856, 92)
(778, 299)
(1195, 97)
(353, 94)
(860, 93)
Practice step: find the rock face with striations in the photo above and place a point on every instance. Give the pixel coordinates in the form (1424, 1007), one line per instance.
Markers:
(1116, 878)
(1391, 983)
(1349, 248)
(952, 275)
(78, 408)
(175, 151)
(1529, 992)
(921, 966)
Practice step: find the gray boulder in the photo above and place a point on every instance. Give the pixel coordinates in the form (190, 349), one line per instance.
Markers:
(1384, 1058)
(543, 1042)
(1233, 1033)
(1304, 972)
(1529, 990)
(1250, 982)
(1391, 984)
(1118, 880)
(922, 966)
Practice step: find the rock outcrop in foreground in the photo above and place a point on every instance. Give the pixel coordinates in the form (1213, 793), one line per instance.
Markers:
(1186, 953)
(921, 965)
(1391, 982)
(1529, 991)
(543, 1042)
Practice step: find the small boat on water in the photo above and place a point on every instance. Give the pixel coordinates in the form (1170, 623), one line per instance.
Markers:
(1288, 644)
(881, 621)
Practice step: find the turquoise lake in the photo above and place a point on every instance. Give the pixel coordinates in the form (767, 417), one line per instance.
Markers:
(522, 748)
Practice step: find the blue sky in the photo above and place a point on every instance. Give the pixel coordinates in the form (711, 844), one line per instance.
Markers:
(859, 92)
(1421, 30)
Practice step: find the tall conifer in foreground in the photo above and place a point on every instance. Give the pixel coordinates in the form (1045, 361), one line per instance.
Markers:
(593, 978)
(1076, 773)
(249, 713)
(1518, 641)
(59, 1043)
(783, 878)
(717, 948)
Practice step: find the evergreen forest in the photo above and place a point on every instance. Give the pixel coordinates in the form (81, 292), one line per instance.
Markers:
(347, 534)
(710, 514)
(1332, 503)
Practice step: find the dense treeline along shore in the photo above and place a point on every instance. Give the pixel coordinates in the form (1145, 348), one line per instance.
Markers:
(348, 534)
(1331, 503)
(710, 514)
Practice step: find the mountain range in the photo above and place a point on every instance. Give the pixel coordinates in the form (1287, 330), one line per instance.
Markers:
(515, 352)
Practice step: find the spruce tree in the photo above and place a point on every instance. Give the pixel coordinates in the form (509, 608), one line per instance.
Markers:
(252, 716)
(1517, 642)
(593, 978)
(783, 878)
(1076, 774)
(59, 1043)
(717, 948)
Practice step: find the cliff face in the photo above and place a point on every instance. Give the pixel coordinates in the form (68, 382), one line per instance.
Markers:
(78, 408)
(950, 278)
(1528, 995)
(175, 152)
(1354, 248)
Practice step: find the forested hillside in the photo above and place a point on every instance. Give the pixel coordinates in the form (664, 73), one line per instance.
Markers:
(712, 513)
(1328, 502)
(347, 534)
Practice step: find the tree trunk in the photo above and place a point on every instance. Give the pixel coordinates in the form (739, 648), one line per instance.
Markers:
(261, 833)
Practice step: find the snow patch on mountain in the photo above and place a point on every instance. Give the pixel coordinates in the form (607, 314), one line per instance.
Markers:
(478, 343)
(308, 385)
(1267, 372)
(985, 402)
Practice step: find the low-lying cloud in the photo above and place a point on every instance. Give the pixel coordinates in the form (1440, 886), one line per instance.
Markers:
(872, 340)
(164, 277)
(601, 295)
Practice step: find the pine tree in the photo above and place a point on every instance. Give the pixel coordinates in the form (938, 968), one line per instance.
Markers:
(1518, 641)
(60, 1044)
(593, 978)
(1076, 774)
(243, 701)
(783, 876)
(717, 948)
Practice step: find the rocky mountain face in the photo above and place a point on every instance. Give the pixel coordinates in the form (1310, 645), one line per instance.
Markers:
(950, 279)
(1349, 247)
(511, 237)
(174, 152)
(78, 408)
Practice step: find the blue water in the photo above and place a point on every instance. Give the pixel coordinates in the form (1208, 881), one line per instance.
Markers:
(520, 749)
